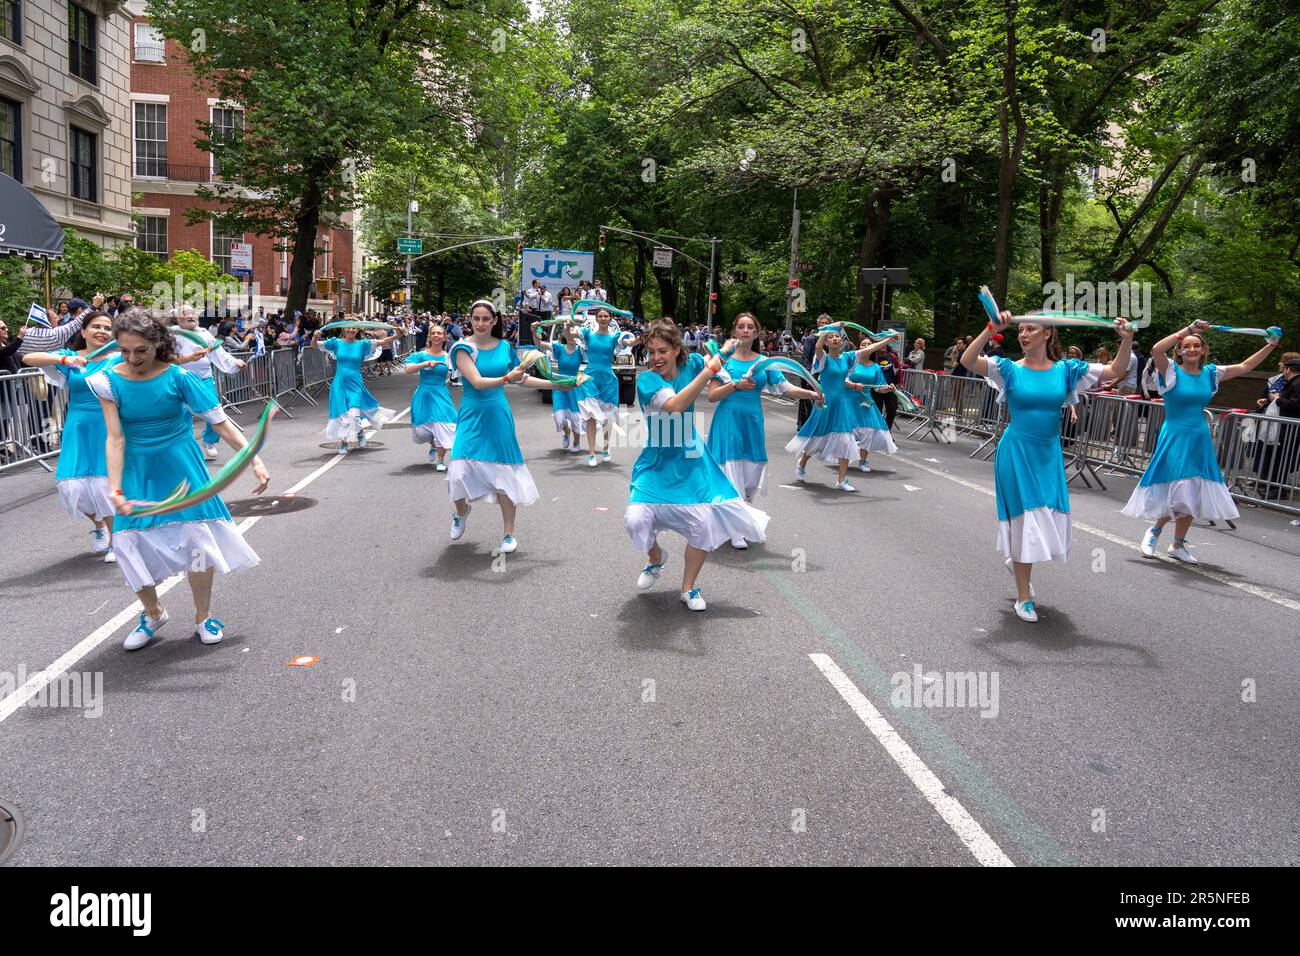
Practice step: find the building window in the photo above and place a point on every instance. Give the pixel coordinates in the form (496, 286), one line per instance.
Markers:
(151, 139)
(148, 43)
(81, 42)
(227, 127)
(11, 21)
(11, 139)
(83, 165)
(151, 236)
(221, 247)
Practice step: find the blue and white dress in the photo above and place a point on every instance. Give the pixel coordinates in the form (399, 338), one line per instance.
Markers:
(828, 432)
(485, 458)
(202, 369)
(676, 484)
(1029, 469)
(601, 403)
(160, 453)
(350, 400)
(81, 477)
(871, 432)
(1183, 476)
(737, 439)
(564, 404)
(433, 414)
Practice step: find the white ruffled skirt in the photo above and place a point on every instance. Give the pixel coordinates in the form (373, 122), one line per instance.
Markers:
(747, 477)
(151, 555)
(830, 447)
(442, 434)
(472, 481)
(593, 408)
(1198, 497)
(349, 426)
(705, 527)
(567, 418)
(1040, 534)
(875, 439)
(85, 496)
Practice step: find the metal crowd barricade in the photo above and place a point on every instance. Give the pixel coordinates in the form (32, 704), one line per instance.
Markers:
(31, 419)
(924, 386)
(1260, 458)
(284, 377)
(250, 383)
(315, 372)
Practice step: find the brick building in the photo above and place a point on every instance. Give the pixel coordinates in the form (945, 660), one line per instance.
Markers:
(167, 103)
(64, 111)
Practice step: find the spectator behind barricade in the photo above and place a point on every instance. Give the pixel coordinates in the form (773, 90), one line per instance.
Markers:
(8, 350)
(1103, 356)
(959, 370)
(994, 346)
(916, 357)
(1074, 352)
(36, 339)
(952, 355)
(890, 366)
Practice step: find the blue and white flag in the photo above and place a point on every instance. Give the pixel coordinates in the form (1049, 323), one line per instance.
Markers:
(38, 316)
(260, 348)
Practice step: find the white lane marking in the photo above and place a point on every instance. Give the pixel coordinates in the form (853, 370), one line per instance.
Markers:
(910, 488)
(40, 679)
(1253, 589)
(791, 487)
(948, 807)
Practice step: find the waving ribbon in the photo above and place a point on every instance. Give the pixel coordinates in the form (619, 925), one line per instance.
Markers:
(182, 498)
(538, 362)
(1272, 332)
(364, 326)
(1064, 317)
(783, 364)
(839, 328)
(103, 350)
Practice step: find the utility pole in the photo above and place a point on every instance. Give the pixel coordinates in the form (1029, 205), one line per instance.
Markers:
(412, 208)
(713, 282)
(794, 264)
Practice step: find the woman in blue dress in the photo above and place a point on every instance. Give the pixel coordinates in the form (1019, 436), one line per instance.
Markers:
(148, 405)
(350, 400)
(829, 431)
(433, 415)
(601, 406)
(1029, 469)
(486, 463)
(1183, 480)
(198, 360)
(82, 474)
(737, 440)
(872, 431)
(676, 484)
(567, 358)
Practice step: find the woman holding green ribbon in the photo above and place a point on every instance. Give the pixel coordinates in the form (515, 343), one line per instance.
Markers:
(148, 404)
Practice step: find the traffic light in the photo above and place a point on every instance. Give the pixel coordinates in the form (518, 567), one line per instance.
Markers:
(519, 249)
(602, 242)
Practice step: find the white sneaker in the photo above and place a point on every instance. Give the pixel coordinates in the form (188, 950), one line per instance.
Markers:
(99, 542)
(458, 524)
(433, 455)
(1182, 554)
(361, 440)
(844, 486)
(144, 631)
(110, 557)
(799, 473)
(591, 461)
(650, 574)
(343, 448)
(693, 599)
(740, 544)
(440, 466)
(863, 466)
(1149, 542)
(565, 444)
(1026, 611)
(605, 456)
(509, 544)
(210, 452)
(211, 631)
(1013, 577)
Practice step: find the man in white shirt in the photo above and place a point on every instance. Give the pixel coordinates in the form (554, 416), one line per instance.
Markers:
(598, 293)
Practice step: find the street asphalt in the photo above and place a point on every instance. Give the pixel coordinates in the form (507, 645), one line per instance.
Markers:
(535, 708)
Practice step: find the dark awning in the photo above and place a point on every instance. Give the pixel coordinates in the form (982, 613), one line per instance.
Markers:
(26, 227)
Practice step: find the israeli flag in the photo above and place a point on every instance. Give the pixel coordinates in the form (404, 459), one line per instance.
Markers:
(260, 348)
(38, 316)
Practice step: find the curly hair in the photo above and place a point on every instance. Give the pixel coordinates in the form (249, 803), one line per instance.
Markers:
(151, 327)
(666, 331)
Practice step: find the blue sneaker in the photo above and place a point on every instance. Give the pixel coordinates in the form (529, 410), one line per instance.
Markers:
(210, 631)
(144, 631)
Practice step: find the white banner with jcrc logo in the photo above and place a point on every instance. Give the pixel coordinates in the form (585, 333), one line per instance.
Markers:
(557, 268)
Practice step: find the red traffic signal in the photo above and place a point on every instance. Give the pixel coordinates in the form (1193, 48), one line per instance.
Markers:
(794, 283)
(602, 242)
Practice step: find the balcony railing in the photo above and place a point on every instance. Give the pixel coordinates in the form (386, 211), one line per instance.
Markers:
(149, 53)
(178, 172)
